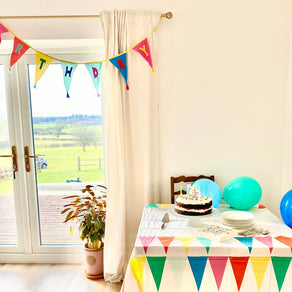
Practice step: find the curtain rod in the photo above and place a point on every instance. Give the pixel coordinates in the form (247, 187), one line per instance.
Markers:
(167, 15)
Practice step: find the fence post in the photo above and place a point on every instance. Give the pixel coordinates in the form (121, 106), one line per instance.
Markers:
(78, 163)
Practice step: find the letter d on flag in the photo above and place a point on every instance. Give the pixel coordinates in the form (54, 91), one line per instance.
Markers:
(94, 72)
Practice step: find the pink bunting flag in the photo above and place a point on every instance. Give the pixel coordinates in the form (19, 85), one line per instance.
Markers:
(146, 240)
(144, 50)
(3, 29)
(19, 48)
(218, 265)
(267, 240)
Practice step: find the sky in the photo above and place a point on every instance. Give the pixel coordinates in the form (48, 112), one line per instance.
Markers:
(49, 97)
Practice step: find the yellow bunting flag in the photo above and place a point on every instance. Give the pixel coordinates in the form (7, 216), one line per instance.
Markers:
(259, 265)
(186, 241)
(164, 206)
(42, 62)
(137, 267)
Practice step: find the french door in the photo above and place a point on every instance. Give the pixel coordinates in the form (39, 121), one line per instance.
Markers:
(50, 147)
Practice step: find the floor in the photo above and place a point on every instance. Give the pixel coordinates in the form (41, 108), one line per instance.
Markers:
(50, 278)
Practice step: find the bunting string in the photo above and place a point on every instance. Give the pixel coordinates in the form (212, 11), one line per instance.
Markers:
(68, 67)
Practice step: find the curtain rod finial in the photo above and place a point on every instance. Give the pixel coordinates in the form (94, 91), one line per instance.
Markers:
(167, 15)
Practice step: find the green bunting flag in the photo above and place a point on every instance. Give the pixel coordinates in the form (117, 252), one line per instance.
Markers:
(280, 265)
(206, 242)
(94, 72)
(151, 206)
(156, 265)
(68, 70)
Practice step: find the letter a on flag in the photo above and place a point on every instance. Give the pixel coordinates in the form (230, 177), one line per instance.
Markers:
(94, 72)
(3, 29)
(144, 50)
(121, 63)
(19, 48)
(42, 63)
(68, 70)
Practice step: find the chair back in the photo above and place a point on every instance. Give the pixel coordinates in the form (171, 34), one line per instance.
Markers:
(184, 179)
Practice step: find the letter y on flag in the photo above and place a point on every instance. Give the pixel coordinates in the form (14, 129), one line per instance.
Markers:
(144, 50)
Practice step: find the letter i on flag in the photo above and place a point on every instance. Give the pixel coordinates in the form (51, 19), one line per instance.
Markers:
(19, 48)
(144, 50)
(94, 72)
(121, 63)
(3, 29)
(68, 70)
(42, 63)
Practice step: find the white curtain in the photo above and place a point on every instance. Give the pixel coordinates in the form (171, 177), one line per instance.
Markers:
(132, 134)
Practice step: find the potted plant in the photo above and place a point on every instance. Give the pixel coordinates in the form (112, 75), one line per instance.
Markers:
(89, 210)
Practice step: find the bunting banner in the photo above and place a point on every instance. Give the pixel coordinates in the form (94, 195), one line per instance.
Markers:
(68, 71)
(19, 48)
(146, 240)
(267, 240)
(151, 206)
(164, 206)
(206, 242)
(156, 265)
(42, 63)
(286, 240)
(120, 62)
(246, 241)
(186, 241)
(94, 72)
(137, 268)
(280, 265)
(3, 29)
(218, 265)
(259, 265)
(238, 266)
(166, 241)
(94, 68)
(144, 50)
(198, 265)
(177, 265)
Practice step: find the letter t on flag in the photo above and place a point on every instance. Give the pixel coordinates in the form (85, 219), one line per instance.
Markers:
(19, 48)
(42, 63)
(121, 63)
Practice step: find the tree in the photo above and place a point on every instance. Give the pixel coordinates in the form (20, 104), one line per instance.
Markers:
(84, 136)
(58, 128)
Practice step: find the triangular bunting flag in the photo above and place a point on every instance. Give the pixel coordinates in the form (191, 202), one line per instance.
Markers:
(68, 71)
(156, 265)
(42, 63)
(259, 265)
(137, 267)
(166, 206)
(186, 241)
(94, 72)
(198, 265)
(206, 242)
(177, 266)
(218, 265)
(166, 240)
(246, 241)
(238, 266)
(120, 62)
(267, 240)
(19, 48)
(144, 50)
(151, 206)
(146, 240)
(3, 29)
(280, 265)
(285, 240)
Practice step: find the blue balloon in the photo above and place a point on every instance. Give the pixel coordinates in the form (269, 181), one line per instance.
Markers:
(210, 189)
(242, 193)
(286, 208)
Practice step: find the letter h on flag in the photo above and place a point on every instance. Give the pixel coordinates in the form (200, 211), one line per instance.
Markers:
(121, 63)
(68, 70)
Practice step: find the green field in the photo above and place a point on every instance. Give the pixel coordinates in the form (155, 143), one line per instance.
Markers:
(62, 160)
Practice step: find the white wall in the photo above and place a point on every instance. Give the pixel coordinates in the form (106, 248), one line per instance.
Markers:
(223, 71)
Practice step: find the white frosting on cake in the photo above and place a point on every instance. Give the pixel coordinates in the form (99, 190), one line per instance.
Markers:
(192, 201)
(195, 211)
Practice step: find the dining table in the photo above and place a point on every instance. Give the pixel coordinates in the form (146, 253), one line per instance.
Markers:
(180, 257)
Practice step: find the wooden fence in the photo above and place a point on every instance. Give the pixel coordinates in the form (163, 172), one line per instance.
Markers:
(90, 162)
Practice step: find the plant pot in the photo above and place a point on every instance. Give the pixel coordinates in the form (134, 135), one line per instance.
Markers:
(93, 262)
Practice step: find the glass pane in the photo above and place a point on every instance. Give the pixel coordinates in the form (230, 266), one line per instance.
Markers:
(8, 232)
(68, 132)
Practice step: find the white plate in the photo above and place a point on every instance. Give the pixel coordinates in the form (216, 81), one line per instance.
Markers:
(237, 218)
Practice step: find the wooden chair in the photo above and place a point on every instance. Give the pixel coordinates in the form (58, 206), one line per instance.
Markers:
(185, 179)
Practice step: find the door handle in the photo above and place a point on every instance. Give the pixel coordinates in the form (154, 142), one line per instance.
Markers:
(27, 157)
(14, 158)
